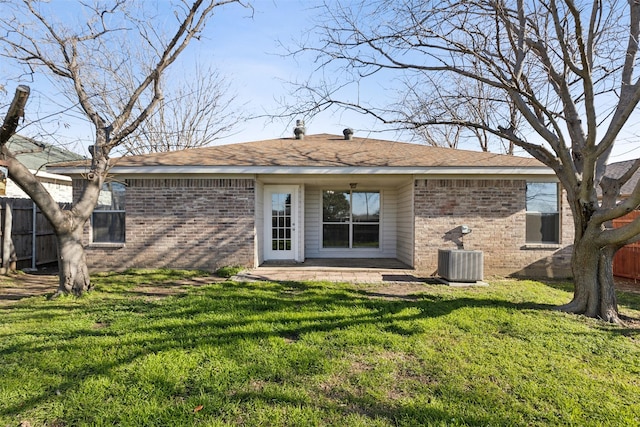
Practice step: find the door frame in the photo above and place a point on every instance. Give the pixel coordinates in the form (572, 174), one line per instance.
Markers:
(297, 226)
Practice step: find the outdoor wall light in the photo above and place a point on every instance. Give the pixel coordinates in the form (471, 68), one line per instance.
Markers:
(353, 185)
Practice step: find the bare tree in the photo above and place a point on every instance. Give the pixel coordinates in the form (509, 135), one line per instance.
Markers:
(474, 101)
(90, 60)
(194, 113)
(570, 69)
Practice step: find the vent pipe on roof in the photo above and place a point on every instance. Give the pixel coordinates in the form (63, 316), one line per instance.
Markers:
(348, 134)
(299, 130)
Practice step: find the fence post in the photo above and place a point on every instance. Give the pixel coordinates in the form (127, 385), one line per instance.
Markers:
(6, 236)
(2, 234)
(8, 249)
(34, 237)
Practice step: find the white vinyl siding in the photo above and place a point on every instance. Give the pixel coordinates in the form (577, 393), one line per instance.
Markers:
(388, 223)
(313, 221)
(301, 224)
(405, 224)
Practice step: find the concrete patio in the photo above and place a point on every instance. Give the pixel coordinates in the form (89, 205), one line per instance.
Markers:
(383, 270)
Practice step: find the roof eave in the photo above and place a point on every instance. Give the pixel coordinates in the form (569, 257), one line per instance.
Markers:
(288, 170)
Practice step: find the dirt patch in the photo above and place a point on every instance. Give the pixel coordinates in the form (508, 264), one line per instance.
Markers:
(155, 291)
(396, 291)
(17, 286)
(628, 285)
(21, 285)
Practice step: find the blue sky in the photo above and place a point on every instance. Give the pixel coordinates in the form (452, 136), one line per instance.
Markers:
(249, 50)
(246, 49)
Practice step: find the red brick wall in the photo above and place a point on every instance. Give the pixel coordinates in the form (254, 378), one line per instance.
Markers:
(183, 223)
(495, 211)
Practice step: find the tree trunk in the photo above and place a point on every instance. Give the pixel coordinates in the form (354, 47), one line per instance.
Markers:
(594, 292)
(72, 263)
(608, 299)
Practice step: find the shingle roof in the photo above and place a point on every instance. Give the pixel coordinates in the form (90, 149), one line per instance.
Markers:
(616, 170)
(36, 155)
(323, 150)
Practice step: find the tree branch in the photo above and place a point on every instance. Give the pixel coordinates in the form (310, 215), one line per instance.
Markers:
(14, 114)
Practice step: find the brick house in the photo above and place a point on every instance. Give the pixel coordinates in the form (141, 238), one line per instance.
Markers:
(327, 196)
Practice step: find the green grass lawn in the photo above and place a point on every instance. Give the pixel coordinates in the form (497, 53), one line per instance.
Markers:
(304, 354)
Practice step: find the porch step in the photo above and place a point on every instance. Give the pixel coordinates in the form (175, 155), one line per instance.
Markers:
(342, 263)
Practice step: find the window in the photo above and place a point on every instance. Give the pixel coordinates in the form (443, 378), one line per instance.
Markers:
(350, 219)
(108, 217)
(543, 218)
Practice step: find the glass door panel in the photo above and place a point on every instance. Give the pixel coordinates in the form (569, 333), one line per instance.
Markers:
(281, 221)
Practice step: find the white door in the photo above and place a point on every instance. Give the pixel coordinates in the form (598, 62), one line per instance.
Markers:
(281, 220)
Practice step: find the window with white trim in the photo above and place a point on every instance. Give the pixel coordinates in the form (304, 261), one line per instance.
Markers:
(350, 219)
(108, 217)
(543, 212)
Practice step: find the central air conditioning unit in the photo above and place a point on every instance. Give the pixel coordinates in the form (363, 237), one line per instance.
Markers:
(459, 265)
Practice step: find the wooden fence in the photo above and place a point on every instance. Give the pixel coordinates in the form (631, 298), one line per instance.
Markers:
(32, 242)
(626, 262)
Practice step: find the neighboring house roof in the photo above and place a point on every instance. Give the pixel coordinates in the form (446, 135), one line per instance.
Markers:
(36, 155)
(616, 170)
(314, 154)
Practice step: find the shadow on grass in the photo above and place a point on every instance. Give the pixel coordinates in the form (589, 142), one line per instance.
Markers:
(223, 315)
(405, 413)
(561, 285)
(626, 295)
(627, 298)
